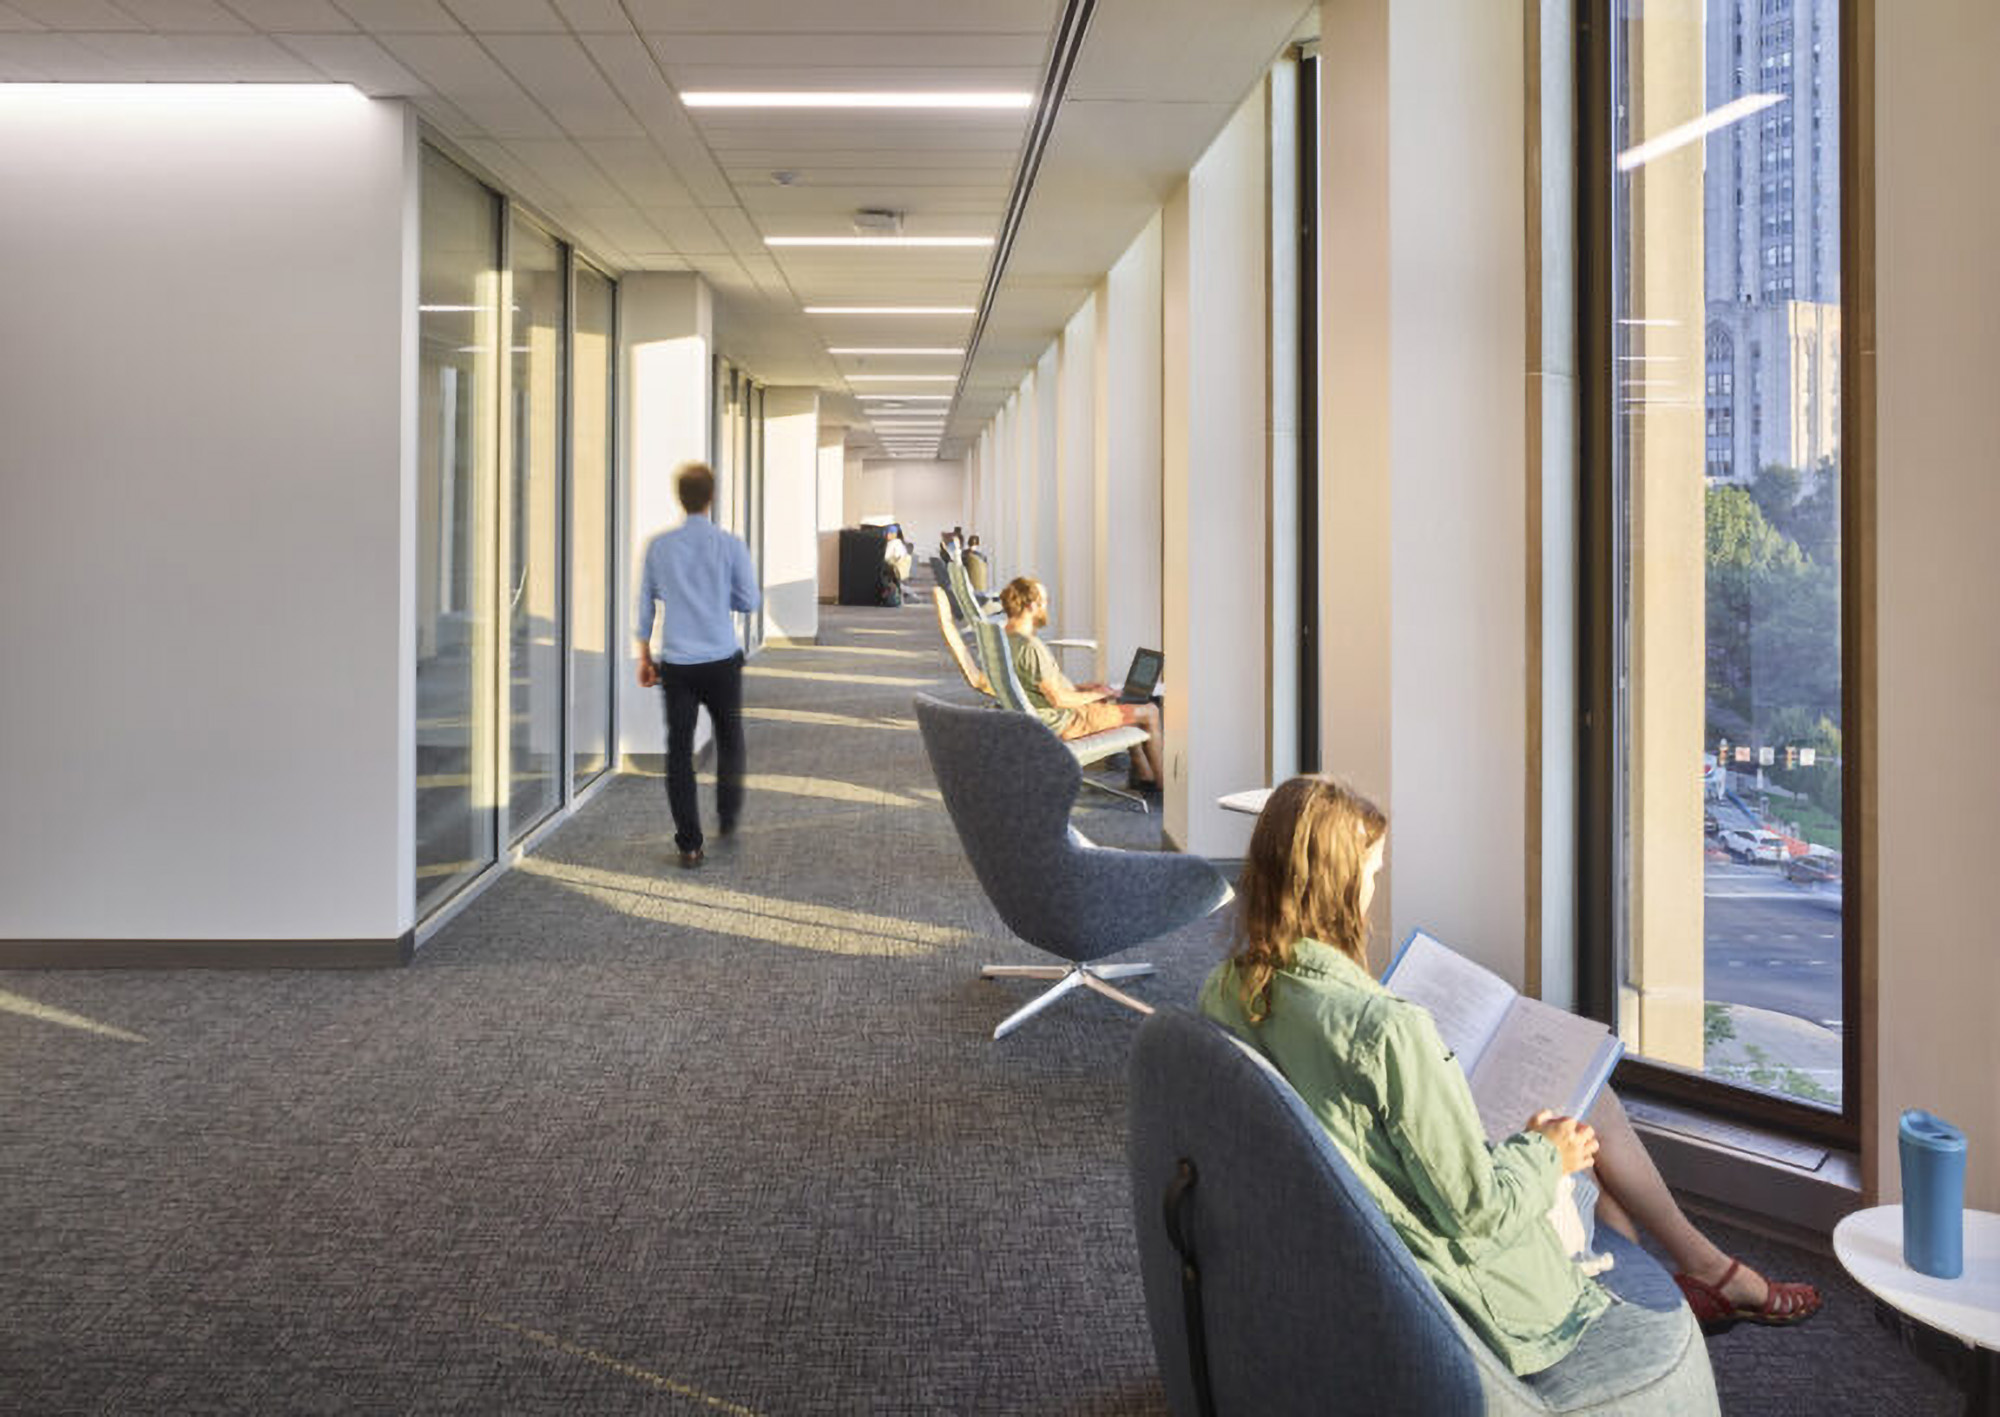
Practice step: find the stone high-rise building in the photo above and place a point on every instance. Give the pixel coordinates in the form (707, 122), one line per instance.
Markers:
(1772, 238)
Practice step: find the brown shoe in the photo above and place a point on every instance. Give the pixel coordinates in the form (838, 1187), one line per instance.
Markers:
(692, 859)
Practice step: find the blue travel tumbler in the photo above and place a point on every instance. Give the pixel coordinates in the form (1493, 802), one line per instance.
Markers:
(1932, 1151)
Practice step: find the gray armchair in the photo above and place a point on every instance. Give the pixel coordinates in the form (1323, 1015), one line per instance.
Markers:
(1274, 1286)
(1008, 784)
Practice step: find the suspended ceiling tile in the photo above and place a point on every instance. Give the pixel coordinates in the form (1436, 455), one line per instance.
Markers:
(805, 203)
(566, 171)
(627, 228)
(559, 75)
(446, 117)
(688, 230)
(494, 17)
(355, 59)
(75, 16)
(13, 19)
(641, 171)
(466, 74)
(595, 16)
(183, 16)
(1150, 49)
(795, 49)
(292, 16)
(633, 73)
(162, 58)
(49, 58)
(738, 230)
(401, 16)
(946, 169)
(1034, 17)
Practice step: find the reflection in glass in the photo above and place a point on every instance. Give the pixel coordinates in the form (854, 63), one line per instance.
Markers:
(458, 367)
(1727, 378)
(591, 661)
(533, 512)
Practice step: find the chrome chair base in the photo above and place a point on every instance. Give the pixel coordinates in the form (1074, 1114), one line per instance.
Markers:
(1068, 977)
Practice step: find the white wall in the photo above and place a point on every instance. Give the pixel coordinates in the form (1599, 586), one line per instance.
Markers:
(926, 497)
(1938, 582)
(791, 513)
(1215, 448)
(1043, 551)
(206, 494)
(666, 325)
(1424, 612)
(1127, 571)
(1072, 567)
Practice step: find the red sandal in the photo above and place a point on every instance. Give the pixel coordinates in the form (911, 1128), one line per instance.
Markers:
(1783, 1303)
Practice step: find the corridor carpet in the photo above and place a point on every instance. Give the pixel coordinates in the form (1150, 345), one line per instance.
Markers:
(631, 1139)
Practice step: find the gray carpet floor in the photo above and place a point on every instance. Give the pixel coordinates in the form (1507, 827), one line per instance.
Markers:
(631, 1139)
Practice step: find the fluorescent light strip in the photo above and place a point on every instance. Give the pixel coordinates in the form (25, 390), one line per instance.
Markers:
(905, 398)
(794, 98)
(1696, 129)
(885, 241)
(902, 378)
(945, 349)
(891, 310)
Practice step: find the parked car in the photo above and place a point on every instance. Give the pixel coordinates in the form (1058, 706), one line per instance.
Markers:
(1813, 867)
(1757, 845)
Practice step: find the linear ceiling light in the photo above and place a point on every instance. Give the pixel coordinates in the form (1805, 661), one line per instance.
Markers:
(905, 398)
(899, 242)
(796, 98)
(890, 310)
(901, 378)
(904, 349)
(1696, 129)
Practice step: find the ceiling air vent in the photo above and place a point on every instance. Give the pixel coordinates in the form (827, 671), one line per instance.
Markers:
(878, 221)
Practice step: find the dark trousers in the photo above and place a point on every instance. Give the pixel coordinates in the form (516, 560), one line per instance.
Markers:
(688, 688)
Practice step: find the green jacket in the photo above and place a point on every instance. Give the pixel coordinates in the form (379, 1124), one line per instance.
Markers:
(1374, 1072)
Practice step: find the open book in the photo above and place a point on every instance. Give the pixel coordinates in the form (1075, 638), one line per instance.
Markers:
(1520, 1054)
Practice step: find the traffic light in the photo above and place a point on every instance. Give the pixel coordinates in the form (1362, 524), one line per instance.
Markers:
(1791, 755)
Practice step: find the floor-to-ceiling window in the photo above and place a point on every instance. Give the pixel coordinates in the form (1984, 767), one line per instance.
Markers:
(458, 342)
(590, 525)
(533, 511)
(1722, 813)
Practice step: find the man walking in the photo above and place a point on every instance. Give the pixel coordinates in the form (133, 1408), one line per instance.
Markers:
(696, 574)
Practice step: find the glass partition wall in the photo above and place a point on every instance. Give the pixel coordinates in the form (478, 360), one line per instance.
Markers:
(514, 527)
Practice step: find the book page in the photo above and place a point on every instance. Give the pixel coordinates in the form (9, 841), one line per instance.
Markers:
(1468, 1001)
(1541, 1057)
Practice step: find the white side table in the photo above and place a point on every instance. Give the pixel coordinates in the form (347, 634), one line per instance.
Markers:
(1954, 1324)
(1249, 802)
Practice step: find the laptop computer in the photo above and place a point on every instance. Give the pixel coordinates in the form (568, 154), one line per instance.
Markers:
(1142, 678)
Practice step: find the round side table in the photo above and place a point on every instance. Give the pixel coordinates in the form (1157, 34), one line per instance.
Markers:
(1952, 1324)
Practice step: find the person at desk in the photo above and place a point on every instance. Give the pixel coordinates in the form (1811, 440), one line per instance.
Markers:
(1073, 711)
(1480, 1219)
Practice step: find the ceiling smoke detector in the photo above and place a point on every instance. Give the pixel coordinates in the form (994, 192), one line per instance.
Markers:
(878, 221)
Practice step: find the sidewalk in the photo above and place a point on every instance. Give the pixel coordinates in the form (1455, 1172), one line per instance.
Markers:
(1775, 1051)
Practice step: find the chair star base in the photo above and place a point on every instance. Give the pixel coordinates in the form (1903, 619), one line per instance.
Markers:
(1069, 977)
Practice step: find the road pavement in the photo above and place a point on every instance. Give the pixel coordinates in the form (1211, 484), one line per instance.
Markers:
(1773, 944)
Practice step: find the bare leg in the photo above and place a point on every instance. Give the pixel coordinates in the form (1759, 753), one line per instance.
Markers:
(1146, 756)
(1635, 1197)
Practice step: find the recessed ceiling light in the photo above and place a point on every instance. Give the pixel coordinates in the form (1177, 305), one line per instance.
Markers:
(901, 378)
(727, 98)
(905, 349)
(885, 241)
(906, 398)
(890, 310)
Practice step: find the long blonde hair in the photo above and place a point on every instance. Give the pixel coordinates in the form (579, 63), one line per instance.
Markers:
(1302, 880)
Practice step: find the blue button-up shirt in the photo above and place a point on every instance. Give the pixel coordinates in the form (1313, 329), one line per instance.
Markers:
(697, 573)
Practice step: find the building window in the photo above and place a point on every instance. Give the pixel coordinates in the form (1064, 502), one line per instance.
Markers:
(1717, 817)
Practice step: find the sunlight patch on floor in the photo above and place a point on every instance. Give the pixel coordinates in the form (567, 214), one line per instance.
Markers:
(48, 1013)
(826, 677)
(832, 789)
(684, 900)
(828, 720)
(618, 1365)
(853, 649)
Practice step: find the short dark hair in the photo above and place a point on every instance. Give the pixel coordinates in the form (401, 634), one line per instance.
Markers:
(695, 485)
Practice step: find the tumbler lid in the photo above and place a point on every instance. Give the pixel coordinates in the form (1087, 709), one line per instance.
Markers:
(1934, 1133)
